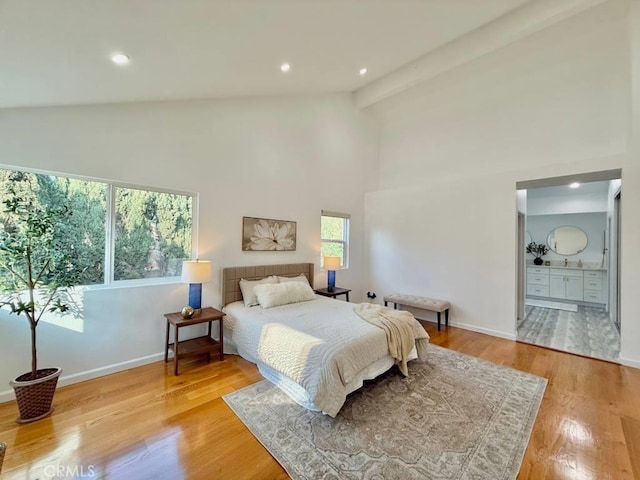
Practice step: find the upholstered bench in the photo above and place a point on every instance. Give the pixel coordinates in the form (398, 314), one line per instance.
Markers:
(423, 303)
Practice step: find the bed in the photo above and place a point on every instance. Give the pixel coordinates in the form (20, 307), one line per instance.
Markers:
(317, 351)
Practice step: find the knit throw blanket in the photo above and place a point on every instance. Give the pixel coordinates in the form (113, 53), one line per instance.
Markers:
(402, 329)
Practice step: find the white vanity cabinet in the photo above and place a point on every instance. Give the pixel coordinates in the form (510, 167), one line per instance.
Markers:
(538, 281)
(593, 286)
(582, 285)
(566, 283)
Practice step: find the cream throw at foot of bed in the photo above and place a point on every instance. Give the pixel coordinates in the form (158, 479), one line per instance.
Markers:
(402, 329)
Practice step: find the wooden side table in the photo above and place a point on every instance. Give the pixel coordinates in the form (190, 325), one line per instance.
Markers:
(336, 291)
(194, 346)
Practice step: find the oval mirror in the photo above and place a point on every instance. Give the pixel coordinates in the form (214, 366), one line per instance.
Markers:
(527, 238)
(567, 240)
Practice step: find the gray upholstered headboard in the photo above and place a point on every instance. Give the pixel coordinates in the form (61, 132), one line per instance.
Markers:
(231, 277)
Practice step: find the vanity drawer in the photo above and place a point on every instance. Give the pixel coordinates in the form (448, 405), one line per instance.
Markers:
(594, 296)
(539, 290)
(537, 279)
(592, 274)
(569, 272)
(593, 284)
(538, 270)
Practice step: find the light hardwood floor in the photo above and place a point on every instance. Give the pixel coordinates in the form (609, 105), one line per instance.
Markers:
(146, 423)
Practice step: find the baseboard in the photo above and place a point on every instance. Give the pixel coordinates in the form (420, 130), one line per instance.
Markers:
(473, 328)
(486, 331)
(8, 395)
(629, 362)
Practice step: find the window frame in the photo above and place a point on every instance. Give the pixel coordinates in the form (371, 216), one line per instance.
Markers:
(109, 246)
(345, 237)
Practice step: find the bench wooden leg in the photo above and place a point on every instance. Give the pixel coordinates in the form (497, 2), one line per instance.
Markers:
(438, 321)
(446, 318)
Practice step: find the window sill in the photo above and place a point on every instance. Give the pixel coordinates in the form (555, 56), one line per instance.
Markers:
(142, 282)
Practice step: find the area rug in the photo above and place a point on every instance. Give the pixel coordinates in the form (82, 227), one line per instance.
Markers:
(589, 331)
(454, 417)
(567, 307)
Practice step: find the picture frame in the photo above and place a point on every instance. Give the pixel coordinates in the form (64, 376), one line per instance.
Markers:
(268, 235)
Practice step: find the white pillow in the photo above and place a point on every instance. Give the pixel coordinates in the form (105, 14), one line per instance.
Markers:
(247, 288)
(300, 278)
(283, 294)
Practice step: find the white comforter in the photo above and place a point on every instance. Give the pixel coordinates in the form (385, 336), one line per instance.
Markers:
(321, 344)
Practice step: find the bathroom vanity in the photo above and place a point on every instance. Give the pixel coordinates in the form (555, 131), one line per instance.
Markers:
(564, 279)
(567, 283)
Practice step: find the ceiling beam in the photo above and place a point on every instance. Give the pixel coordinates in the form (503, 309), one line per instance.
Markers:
(601, 176)
(524, 21)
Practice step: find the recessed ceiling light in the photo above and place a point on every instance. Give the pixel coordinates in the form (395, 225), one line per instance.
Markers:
(363, 71)
(285, 67)
(574, 185)
(120, 59)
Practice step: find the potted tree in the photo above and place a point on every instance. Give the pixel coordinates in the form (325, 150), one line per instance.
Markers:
(36, 268)
(538, 250)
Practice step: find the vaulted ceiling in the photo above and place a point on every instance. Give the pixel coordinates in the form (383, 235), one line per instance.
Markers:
(59, 52)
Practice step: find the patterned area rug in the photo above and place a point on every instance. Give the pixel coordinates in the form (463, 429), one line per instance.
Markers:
(454, 417)
(589, 331)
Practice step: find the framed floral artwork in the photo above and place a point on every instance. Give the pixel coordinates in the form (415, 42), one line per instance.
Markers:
(267, 235)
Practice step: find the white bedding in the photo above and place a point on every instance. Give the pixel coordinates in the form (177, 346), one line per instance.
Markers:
(317, 351)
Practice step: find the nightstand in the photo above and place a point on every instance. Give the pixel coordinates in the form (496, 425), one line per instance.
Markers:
(336, 291)
(205, 345)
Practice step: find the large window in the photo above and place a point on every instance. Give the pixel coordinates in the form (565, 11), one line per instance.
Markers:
(116, 232)
(152, 232)
(334, 233)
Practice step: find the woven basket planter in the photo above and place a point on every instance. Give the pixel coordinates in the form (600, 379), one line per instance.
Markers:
(35, 396)
(3, 449)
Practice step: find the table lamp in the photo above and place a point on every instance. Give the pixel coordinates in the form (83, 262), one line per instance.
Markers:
(331, 264)
(195, 273)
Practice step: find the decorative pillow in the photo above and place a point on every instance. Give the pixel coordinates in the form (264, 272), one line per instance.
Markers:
(247, 288)
(283, 294)
(300, 278)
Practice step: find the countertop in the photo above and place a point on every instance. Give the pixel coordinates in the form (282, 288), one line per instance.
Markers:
(573, 266)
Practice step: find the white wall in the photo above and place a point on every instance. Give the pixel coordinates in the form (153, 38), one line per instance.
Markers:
(553, 104)
(285, 158)
(558, 96)
(559, 204)
(442, 243)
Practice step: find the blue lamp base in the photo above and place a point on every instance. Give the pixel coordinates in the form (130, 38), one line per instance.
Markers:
(331, 280)
(195, 296)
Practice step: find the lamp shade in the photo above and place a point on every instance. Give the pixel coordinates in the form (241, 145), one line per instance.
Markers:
(331, 263)
(196, 271)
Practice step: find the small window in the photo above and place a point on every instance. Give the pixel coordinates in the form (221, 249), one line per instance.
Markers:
(334, 237)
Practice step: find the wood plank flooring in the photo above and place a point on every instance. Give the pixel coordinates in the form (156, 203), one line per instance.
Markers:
(145, 423)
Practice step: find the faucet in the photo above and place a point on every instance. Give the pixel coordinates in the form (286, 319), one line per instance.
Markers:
(566, 262)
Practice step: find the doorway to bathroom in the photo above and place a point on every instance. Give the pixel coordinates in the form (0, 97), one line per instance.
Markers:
(568, 263)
